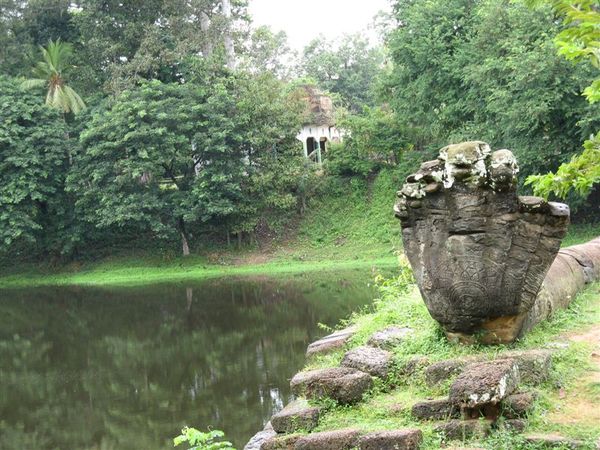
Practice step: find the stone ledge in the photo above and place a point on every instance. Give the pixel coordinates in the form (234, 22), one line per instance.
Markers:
(485, 383)
(372, 360)
(343, 384)
(298, 415)
(334, 341)
(407, 439)
(329, 440)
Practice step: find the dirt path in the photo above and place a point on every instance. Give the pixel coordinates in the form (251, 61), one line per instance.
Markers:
(580, 405)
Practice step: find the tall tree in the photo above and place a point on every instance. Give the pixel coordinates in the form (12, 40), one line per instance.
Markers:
(163, 157)
(487, 70)
(349, 68)
(33, 158)
(579, 41)
(227, 37)
(50, 73)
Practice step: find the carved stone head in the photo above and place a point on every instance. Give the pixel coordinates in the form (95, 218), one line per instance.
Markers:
(479, 252)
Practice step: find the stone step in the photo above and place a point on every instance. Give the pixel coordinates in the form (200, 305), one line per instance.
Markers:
(517, 405)
(551, 440)
(441, 371)
(374, 361)
(390, 337)
(330, 343)
(343, 384)
(298, 415)
(329, 440)
(407, 439)
(485, 383)
(435, 410)
(464, 429)
(534, 365)
(256, 442)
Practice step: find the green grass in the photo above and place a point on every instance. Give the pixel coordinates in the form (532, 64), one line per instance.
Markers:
(580, 233)
(388, 405)
(126, 273)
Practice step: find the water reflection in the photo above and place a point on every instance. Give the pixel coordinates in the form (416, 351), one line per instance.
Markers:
(84, 368)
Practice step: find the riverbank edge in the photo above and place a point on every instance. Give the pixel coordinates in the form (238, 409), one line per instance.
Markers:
(176, 271)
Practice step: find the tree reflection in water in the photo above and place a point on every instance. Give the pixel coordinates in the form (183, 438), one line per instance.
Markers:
(122, 368)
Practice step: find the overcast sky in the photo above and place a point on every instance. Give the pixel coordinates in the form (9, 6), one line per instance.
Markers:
(303, 20)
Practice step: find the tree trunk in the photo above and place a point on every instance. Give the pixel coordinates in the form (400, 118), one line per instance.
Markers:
(185, 244)
(239, 236)
(207, 48)
(228, 239)
(228, 39)
(184, 238)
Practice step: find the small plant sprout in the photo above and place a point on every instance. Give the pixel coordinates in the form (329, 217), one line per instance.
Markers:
(197, 440)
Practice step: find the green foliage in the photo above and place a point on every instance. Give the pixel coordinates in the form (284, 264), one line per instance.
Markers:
(124, 43)
(579, 175)
(350, 68)
(33, 163)
(161, 157)
(50, 73)
(202, 441)
(267, 51)
(487, 70)
(375, 139)
(578, 41)
(213, 152)
(352, 219)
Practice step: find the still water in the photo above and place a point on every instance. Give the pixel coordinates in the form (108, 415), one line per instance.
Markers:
(126, 368)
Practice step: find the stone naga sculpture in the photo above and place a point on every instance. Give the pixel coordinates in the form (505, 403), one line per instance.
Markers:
(479, 252)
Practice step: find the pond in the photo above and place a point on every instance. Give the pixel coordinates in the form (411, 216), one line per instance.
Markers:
(123, 368)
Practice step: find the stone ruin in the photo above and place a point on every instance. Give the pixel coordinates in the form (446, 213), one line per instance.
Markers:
(479, 252)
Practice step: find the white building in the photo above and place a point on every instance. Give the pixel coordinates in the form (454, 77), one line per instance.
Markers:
(319, 128)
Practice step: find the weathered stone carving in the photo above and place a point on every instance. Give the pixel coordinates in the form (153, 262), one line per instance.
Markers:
(479, 251)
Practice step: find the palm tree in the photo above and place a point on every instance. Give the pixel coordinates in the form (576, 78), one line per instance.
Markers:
(49, 73)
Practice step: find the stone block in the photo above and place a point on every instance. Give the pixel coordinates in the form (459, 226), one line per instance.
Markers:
(329, 440)
(515, 425)
(464, 429)
(435, 410)
(534, 365)
(551, 440)
(444, 370)
(407, 439)
(343, 384)
(372, 360)
(330, 343)
(256, 441)
(485, 383)
(390, 337)
(517, 405)
(280, 442)
(298, 415)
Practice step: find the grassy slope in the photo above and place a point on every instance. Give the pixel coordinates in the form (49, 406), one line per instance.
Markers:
(389, 405)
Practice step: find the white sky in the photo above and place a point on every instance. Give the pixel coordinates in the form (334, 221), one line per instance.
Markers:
(303, 20)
